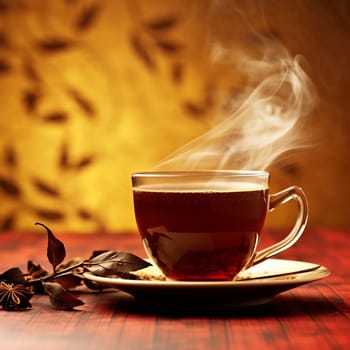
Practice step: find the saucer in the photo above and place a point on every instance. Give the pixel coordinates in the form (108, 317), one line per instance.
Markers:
(254, 286)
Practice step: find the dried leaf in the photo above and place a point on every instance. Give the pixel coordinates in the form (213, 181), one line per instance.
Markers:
(68, 281)
(60, 298)
(49, 214)
(53, 45)
(13, 276)
(142, 52)
(194, 109)
(8, 222)
(63, 158)
(84, 161)
(45, 188)
(9, 187)
(85, 214)
(177, 73)
(56, 251)
(87, 17)
(112, 262)
(169, 46)
(5, 67)
(163, 23)
(10, 156)
(86, 105)
(56, 117)
(72, 262)
(30, 72)
(30, 100)
(35, 270)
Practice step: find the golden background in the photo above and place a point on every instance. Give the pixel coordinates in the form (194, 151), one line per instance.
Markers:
(92, 91)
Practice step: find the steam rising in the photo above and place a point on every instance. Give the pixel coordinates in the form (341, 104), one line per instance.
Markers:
(266, 123)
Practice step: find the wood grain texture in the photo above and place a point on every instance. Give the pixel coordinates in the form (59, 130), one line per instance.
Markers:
(314, 316)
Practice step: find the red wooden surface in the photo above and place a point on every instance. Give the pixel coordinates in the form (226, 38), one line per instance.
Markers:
(314, 316)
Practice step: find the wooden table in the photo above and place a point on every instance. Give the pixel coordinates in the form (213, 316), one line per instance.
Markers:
(313, 316)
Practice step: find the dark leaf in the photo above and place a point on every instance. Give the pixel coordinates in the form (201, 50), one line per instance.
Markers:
(10, 157)
(35, 270)
(87, 16)
(13, 276)
(8, 222)
(142, 52)
(84, 161)
(86, 105)
(9, 187)
(72, 262)
(5, 67)
(45, 188)
(49, 214)
(53, 45)
(85, 214)
(68, 281)
(194, 109)
(162, 23)
(98, 252)
(30, 72)
(30, 100)
(169, 46)
(177, 73)
(56, 117)
(60, 298)
(56, 251)
(112, 262)
(63, 158)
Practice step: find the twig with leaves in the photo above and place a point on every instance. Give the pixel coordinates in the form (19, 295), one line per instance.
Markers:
(17, 287)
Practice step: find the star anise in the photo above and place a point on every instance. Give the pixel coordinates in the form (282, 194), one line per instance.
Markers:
(15, 297)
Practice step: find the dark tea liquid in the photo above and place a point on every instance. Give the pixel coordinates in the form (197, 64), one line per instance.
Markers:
(198, 234)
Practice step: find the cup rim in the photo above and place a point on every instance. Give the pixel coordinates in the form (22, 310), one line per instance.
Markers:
(201, 173)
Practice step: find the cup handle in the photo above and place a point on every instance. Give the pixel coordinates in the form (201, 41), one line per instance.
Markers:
(290, 193)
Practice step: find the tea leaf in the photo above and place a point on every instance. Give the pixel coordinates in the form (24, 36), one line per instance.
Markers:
(112, 262)
(142, 52)
(63, 158)
(84, 161)
(84, 214)
(8, 222)
(56, 251)
(193, 108)
(177, 73)
(30, 100)
(49, 214)
(45, 188)
(9, 187)
(10, 156)
(83, 102)
(87, 17)
(53, 45)
(60, 298)
(169, 46)
(163, 23)
(35, 270)
(13, 276)
(56, 117)
(30, 72)
(68, 281)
